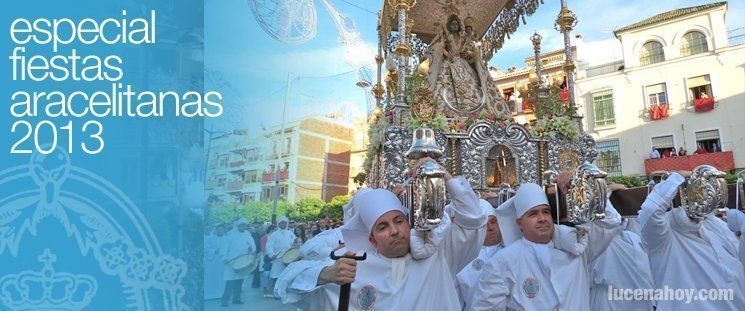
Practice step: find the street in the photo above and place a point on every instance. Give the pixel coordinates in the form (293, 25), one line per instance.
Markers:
(252, 299)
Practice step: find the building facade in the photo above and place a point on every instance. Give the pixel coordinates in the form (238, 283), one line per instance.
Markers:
(669, 81)
(313, 158)
(666, 82)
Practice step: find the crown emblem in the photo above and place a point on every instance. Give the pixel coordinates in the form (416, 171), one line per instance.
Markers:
(47, 289)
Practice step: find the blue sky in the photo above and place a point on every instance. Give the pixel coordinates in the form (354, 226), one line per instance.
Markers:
(250, 68)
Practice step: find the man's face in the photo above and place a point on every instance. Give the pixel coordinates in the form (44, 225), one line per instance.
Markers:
(537, 224)
(493, 234)
(292, 224)
(322, 222)
(469, 29)
(390, 234)
(283, 225)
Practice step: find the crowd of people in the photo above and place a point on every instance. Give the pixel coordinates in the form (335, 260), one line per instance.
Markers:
(667, 153)
(507, 257)
(267, 242)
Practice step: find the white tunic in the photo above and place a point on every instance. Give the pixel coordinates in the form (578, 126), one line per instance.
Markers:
(624, 264)
(320, 246)
(276, 245)
(553, 276)
(684, 255)
(736, 223)
(236, 244)
(467, 277)
(399, 283)
(214, 283)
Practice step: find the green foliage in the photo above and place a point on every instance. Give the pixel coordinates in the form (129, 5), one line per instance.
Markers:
(556, 125)
(731, 177)
(437, 123)
(412, 82)
(309, 208)
(628, 181)
(253, 212)
(334, 210)
(553, 105)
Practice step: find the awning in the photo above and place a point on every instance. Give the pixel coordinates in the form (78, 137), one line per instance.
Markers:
(706, 135)
(655, 89)
(699, 81)
(663, 142)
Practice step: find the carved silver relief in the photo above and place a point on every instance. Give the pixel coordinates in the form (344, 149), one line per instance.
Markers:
(559, 149)
(482, 137)
(397, 141)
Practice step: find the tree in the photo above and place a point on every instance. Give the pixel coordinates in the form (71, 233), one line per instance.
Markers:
(309, 208)
(335, 207)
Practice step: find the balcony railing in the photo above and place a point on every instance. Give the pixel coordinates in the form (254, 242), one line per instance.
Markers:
(283, 175)
(703, 104)
(234, 185)
(657, 112)
(237, 163)
(723, 161)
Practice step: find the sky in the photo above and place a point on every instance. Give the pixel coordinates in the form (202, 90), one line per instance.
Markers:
(250, 68)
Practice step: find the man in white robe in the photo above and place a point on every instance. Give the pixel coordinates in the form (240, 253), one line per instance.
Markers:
(390, 278)
(277, 244)
(238, 243)
(736, 224)
(687, 253)
(466, 278)
(214, 283)
(320, 246)
(543, 266)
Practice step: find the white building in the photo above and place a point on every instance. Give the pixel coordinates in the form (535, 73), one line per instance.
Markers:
(665, 61)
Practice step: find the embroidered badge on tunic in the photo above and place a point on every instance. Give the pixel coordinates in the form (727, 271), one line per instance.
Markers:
(530, 287)
(366, 297)
(478, 263)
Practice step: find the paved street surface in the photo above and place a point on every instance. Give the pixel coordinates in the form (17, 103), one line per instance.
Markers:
(253, 300)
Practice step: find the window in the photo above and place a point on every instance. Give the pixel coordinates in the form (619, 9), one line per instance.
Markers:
(693, 43)
(603, 105)
(708, 139)
(251, 177)
(656, 94)
(288, 145)
(609, 157)
(267, 193)
(651, 53)
(223, 162)
(663, 144)
(221, 180)
(699, 87)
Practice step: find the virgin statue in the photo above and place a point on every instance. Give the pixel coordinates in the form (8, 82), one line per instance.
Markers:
(458, 75)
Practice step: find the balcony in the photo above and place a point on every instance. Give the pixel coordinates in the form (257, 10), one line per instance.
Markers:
(237, 163)
(723, 161)
(232, 186)
(658, 112)
(703, 104)
(267, 177)
(210, 184)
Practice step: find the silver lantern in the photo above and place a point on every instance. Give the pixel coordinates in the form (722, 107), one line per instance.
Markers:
(704, 193)
(587, 194)
(424, 192)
